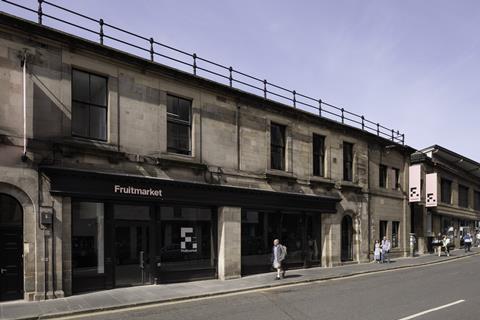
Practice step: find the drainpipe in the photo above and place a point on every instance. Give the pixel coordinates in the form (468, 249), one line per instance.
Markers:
(24, 66)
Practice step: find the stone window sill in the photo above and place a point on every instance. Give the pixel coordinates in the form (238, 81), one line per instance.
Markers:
(279, 174)
(314, 180)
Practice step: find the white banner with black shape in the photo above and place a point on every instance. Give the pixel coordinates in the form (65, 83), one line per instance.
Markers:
(414, 182)
(431, 188)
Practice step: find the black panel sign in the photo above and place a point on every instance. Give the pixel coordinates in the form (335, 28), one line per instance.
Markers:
(101, 185)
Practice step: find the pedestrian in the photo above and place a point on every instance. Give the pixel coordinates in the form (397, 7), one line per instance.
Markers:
(279, 252)
(478, 238)
(445, 243)
(438, 244)
(467, 242)
(386, 246)
(377, 252)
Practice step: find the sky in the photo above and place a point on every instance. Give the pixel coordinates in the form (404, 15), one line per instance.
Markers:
(411, 65)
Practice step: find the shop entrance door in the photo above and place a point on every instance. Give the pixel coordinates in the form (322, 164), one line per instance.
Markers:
(11, 249)
(132, 245)
(347, 239)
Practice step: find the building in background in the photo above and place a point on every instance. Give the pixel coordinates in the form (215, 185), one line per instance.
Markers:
(137, 173)
(452, 205)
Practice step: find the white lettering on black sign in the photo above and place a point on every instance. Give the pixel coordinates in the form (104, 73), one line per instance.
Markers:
(138, 191)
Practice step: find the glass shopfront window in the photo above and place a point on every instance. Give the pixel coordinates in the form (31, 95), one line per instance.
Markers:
(299, 231)
(88, 249)
(131, 244)
(185, 243)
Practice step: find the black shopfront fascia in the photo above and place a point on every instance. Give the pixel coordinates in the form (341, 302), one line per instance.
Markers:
(102, 185)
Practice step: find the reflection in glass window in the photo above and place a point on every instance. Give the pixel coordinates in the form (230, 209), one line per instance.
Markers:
(347, 161)
(185, 241)
(89, 105)
(277, 146)
(10, 211)
(395, 233)
(88, 238)
(318, 155)
(179, 125)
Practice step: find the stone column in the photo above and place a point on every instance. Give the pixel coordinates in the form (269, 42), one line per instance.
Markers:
(229, 242)
(57, 249)
(331, 240)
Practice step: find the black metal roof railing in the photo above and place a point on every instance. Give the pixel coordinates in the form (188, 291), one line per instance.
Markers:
(148, 48)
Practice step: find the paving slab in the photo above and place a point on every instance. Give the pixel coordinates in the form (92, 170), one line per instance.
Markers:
(149, 294)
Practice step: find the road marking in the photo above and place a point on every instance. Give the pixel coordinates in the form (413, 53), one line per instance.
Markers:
(432, 310)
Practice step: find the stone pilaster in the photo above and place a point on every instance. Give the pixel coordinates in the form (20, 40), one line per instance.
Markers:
(229, 242)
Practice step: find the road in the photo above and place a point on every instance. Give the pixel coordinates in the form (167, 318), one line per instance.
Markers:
(452, 287)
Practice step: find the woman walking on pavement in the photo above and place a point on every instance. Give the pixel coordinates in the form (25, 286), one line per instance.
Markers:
(377, 252)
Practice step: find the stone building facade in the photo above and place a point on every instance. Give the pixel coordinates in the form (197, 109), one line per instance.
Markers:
(139, 173)
(457, 209)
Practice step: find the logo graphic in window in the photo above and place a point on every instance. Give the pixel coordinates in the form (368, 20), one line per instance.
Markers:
(188, 240)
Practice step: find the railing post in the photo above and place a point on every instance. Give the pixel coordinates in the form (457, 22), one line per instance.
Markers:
(363, 123)
(152, 53)
(393, 132)
(319, 107)
(40, 12)
(343, 118)
(294, 98)
(194, 64)
(101, 30)
(230, 78)
(378, 129)
(265, 89)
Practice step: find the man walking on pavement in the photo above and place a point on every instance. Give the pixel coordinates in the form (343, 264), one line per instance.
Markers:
(279, 252)
(386, 246)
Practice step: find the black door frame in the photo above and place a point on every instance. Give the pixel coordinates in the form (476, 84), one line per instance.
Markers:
(17, 229)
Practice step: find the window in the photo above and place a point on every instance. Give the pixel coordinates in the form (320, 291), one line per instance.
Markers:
(396, 182)
(446, 191)
(277, 146)
(477, 200)
(347, 161)
(185, 242)
(88, 247)
(179, 125)
(383, 229)
(89, 105)
(383, 176)
(318, 155)
(395, 233)
(462, 196)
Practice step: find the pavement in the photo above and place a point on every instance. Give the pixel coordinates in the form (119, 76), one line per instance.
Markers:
(83, 304)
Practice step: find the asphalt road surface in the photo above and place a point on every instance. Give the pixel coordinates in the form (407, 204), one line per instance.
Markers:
(445, 291)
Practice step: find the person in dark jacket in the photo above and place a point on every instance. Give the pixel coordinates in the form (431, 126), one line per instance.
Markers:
(467, 242)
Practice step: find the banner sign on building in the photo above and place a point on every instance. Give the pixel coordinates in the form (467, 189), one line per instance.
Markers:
(414, 183)
(431, 188)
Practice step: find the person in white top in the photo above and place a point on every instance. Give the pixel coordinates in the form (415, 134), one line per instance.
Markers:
(386, 246)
